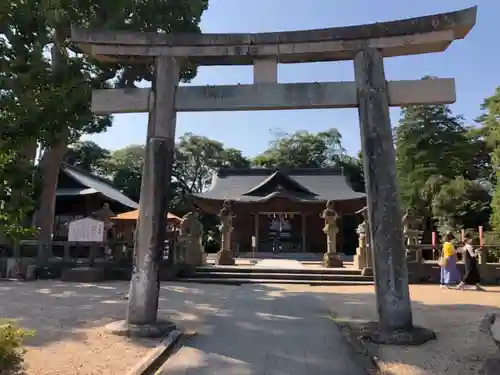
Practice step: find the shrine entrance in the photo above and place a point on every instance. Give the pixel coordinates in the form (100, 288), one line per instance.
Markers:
(371, 93)
(281, 232)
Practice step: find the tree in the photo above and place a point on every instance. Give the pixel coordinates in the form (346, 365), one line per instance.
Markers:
(69, 77)
(17, 197)
(491, 129)
(198, 157)
(303, 149)
(24, 81)
(353, 168)
(124, 168)
(461, 203)
(233, 158)
(433, 147)
(89, 156)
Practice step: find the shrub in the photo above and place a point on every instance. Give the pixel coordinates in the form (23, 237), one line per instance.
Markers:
(11, 352)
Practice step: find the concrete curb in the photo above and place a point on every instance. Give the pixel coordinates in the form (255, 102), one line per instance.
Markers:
(145, 365)
(366, 352)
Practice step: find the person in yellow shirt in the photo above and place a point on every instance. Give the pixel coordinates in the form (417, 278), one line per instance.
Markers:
(450, 275)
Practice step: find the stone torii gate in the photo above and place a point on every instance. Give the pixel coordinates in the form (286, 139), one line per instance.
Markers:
(371, 93)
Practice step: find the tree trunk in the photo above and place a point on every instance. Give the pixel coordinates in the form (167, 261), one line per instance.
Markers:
(49, 168)
(50, 163)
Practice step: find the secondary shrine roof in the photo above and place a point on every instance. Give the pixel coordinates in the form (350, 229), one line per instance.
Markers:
(262, 184)
(88, 184)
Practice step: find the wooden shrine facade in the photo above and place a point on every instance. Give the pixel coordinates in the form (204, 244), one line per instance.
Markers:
(281, 208)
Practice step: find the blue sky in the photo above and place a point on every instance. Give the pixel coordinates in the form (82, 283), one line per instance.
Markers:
(473, 62)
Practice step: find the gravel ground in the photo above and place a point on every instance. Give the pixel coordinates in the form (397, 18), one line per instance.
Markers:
(453, 315)
(69, 319)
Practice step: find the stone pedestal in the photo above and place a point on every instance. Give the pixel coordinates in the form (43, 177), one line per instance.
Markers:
(31, 272)
(225, 258)
(368, 268)
(195, 259)
(491, 367)
(154, 330)
(332, 260)
(360, 259)
(21, 268)
(391, 273)
(367, 271)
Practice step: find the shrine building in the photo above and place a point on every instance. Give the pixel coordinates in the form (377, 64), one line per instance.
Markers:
(282, 207)
(80, 193)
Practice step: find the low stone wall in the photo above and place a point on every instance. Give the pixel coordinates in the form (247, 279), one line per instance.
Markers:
(78, 271)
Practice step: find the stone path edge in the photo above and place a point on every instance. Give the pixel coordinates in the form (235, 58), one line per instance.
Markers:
(145, 365)
(363, 350)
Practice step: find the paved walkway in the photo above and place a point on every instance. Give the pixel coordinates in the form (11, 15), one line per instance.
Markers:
(263, 331)
(280, 263)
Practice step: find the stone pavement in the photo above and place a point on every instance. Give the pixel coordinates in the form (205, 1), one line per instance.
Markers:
(280, 263)
(261, 330)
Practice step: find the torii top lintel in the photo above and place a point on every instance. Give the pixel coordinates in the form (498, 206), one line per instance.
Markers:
(426, 34)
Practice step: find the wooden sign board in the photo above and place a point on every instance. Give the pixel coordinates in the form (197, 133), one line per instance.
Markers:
(86, 230)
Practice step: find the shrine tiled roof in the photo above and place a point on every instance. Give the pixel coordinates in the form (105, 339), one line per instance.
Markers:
(91, 184)
(262, 184)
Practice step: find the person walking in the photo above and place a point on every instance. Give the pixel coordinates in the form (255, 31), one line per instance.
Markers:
(471, 276)
(450, 275)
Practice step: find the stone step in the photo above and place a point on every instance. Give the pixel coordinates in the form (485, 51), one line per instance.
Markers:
(236, 281)
(269, 270)
(283, 275)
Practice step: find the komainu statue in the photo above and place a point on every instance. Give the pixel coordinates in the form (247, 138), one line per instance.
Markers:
(190, 239)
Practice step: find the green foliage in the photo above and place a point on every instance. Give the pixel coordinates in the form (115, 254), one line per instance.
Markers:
(461, 203)
(88, 156)
(45, 98)
(436, 154)
(491, 128)
(11, 353)
(303, 149)
(430, 141)
(17, 198)
(198, 157)
(124, 168)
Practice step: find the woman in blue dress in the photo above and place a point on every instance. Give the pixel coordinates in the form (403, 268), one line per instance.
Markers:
(450, 275)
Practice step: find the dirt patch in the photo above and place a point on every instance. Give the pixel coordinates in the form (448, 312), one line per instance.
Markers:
(460, 348)
(69, 320)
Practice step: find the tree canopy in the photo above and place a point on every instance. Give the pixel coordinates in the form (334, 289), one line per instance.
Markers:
(438, 156)
(47, 83)
(490, 121)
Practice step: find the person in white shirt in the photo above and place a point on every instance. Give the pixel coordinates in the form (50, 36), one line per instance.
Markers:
(471, 276)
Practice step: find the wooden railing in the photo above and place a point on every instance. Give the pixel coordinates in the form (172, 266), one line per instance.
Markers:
(427, 252)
